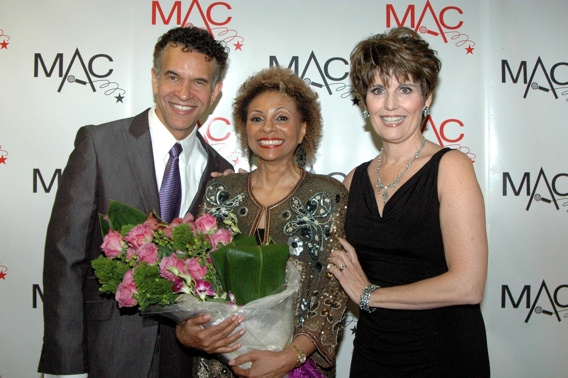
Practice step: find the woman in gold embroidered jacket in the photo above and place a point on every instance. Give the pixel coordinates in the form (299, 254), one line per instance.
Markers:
(277, 118)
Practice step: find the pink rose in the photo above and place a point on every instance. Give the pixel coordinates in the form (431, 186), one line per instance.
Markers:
(195, 270)
(152, 223)
(167, 232)
(130, 253)
(113, 244)
(148, 253)
(125, 291)
(171, 262)
(189, 218)
(140, 235)
(222, 236)
(205, 223)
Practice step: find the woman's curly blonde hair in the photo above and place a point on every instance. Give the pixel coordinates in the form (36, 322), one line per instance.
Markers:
(286, 82)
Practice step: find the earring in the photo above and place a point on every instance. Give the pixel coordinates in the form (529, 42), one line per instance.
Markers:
(300, 156)
(425, 112)
(365, 113)
(250, 155)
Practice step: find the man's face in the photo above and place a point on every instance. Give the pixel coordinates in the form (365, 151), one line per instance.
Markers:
(184, 89)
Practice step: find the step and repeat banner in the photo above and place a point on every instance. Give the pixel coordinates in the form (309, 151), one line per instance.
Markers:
(502, 100)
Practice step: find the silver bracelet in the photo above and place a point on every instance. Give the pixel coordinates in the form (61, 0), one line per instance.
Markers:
(366, 296)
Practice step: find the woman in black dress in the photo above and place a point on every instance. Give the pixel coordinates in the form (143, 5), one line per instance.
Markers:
(415, 259)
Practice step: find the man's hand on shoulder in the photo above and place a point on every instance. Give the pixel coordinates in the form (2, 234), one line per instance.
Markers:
(226, 172)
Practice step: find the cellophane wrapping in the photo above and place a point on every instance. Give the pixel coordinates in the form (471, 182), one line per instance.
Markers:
(269, 321)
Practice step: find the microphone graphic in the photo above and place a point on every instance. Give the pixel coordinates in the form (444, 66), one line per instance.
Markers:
(73, 79)
(309, 82)
(538, 197)
(535, 86)
(540, 310)
(424, 29)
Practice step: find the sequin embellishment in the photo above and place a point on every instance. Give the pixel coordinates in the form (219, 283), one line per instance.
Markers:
(217, 195)
(313, 221)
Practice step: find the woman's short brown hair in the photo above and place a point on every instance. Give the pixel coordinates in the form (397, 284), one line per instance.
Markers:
(284, 81)
(401, 53)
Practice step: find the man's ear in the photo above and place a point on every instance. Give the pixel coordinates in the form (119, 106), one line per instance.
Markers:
(216, 90)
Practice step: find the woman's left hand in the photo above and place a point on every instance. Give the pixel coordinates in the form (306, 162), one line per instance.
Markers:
(265, 363)
(344, 265)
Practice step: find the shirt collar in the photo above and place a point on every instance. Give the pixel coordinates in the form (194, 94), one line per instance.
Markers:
(163, 140)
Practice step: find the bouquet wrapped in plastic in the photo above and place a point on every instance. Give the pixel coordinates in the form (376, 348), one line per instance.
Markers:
(191, 267)
(269, 320)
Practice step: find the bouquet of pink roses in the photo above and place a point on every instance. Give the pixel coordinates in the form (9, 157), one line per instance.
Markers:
(191, 267)
(147, 262)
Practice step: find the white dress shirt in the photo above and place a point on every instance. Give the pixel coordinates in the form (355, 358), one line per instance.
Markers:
(192, 161)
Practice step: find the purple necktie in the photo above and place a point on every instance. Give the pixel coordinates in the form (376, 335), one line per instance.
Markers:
(170, 191)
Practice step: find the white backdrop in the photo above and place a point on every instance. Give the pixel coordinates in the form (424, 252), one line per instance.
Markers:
(502, 100)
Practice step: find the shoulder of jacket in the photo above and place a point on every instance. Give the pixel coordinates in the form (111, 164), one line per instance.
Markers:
(330, 183)
(232, 180)
(105, 128)
(115, 123)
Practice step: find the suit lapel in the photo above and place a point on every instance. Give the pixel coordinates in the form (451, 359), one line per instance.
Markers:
(140, 158)
(213, 165)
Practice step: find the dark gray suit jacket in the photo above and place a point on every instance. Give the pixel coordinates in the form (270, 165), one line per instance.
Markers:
(84, 331)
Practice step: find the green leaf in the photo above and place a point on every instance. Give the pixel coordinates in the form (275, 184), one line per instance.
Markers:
(250, 271)
(119, 215)
(164, 251)
(105, 226)
(219, 257)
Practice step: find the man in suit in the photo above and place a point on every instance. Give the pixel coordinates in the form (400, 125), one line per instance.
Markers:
(85, 332)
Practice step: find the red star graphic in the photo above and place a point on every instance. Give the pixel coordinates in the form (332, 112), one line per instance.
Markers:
(236, 161)
(469, 50)
(3, 159)
(2, 275)
(4, 45)
(238, 46)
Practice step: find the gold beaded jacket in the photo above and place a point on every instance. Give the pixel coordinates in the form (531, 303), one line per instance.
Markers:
(309, 220)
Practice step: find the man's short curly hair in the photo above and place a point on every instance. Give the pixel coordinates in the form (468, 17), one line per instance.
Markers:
(284, 81)
(192, 39)
(401, 53)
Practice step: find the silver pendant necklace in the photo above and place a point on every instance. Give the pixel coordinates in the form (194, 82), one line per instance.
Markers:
(392, 185)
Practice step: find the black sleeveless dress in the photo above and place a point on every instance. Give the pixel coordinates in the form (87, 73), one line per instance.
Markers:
(402, 246)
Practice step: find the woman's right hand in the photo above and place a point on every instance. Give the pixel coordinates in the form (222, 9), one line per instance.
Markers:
(214, 339)
(344, 265)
